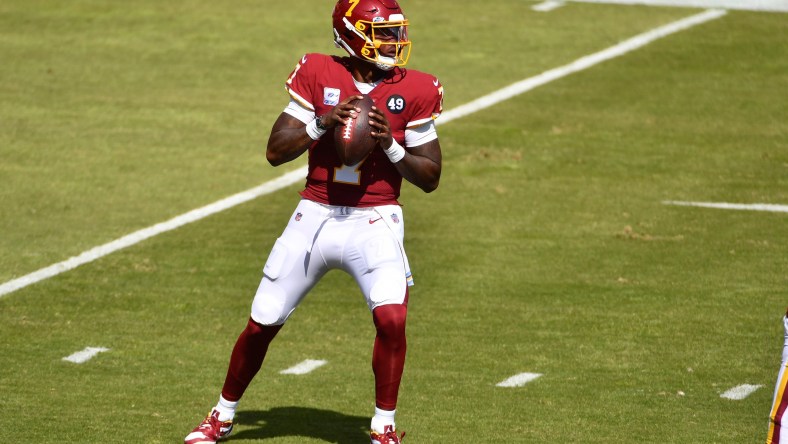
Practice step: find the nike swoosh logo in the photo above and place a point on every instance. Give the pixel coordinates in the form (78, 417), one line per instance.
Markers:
(372, 221)
(435, 82)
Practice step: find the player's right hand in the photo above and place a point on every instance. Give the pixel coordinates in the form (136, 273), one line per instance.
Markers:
(341, 112)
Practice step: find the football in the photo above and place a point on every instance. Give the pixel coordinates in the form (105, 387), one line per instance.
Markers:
(353, 140)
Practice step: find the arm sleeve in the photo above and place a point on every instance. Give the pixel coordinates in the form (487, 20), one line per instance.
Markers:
(295, 109)
(421, 134)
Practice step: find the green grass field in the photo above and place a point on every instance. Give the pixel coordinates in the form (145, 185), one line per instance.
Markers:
(547, 248)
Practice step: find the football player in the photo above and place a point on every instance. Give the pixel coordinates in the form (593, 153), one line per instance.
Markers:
(349, 217)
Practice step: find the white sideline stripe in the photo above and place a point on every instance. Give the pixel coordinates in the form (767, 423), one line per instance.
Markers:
(139, 236)
(580, 64)
(85, 355)
(518, 380)
(740, 392)
(548, 6)
(747, 5)
(304, 367)
(731, 206)
(299, 174)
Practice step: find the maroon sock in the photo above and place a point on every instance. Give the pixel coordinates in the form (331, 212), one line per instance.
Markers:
(388, 356)
(247, 358)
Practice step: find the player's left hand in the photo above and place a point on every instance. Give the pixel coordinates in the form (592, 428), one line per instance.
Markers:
(381, 130)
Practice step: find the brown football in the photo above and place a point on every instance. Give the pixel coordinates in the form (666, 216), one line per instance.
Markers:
(353, 141)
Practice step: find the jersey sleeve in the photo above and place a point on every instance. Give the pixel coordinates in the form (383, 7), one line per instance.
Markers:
(294, 109)
(429, 102)
(301, 83)
(419, 135)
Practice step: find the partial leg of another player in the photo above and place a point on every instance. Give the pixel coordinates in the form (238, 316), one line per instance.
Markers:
(777, 418)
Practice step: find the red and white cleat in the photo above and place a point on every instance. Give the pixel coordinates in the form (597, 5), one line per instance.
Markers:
(389, 436)
(210, 430)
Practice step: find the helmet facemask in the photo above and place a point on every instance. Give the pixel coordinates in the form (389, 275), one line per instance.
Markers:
(385, 42)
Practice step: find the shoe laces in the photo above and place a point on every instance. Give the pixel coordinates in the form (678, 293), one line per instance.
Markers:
(213, 423)
(390, 436)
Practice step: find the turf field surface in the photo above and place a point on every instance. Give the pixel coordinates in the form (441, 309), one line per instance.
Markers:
(547, 248)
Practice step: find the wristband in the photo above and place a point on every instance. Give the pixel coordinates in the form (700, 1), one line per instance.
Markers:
(319, 123)
(395, 152)
(313, 131)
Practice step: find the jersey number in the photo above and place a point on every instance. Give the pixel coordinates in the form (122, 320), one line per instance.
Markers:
(353, 4)
(350, 175)
(295, 71)
(396, 103)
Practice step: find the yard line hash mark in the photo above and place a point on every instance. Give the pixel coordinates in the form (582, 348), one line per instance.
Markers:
(548, 6)
(85, 355)
(292, 177)
(518, 380)
(731, 206)
(740, 392)
(304, 367)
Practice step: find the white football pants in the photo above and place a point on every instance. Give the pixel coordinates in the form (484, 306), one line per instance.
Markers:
(364, 242)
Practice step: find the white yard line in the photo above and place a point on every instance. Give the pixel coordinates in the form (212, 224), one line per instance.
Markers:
(304, 367)
(299, 174)
(518, 380)
(774, 208)
(746, 5)
(154, 230)
(740, 392)
(580, 64)
(85, 355)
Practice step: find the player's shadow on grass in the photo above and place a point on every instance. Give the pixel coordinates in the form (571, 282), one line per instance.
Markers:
(301, 421)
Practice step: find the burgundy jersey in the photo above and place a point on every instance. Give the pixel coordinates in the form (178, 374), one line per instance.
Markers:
(408, 98)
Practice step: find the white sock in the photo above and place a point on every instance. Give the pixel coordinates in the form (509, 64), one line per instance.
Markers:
(381, 419)
(226, 409)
